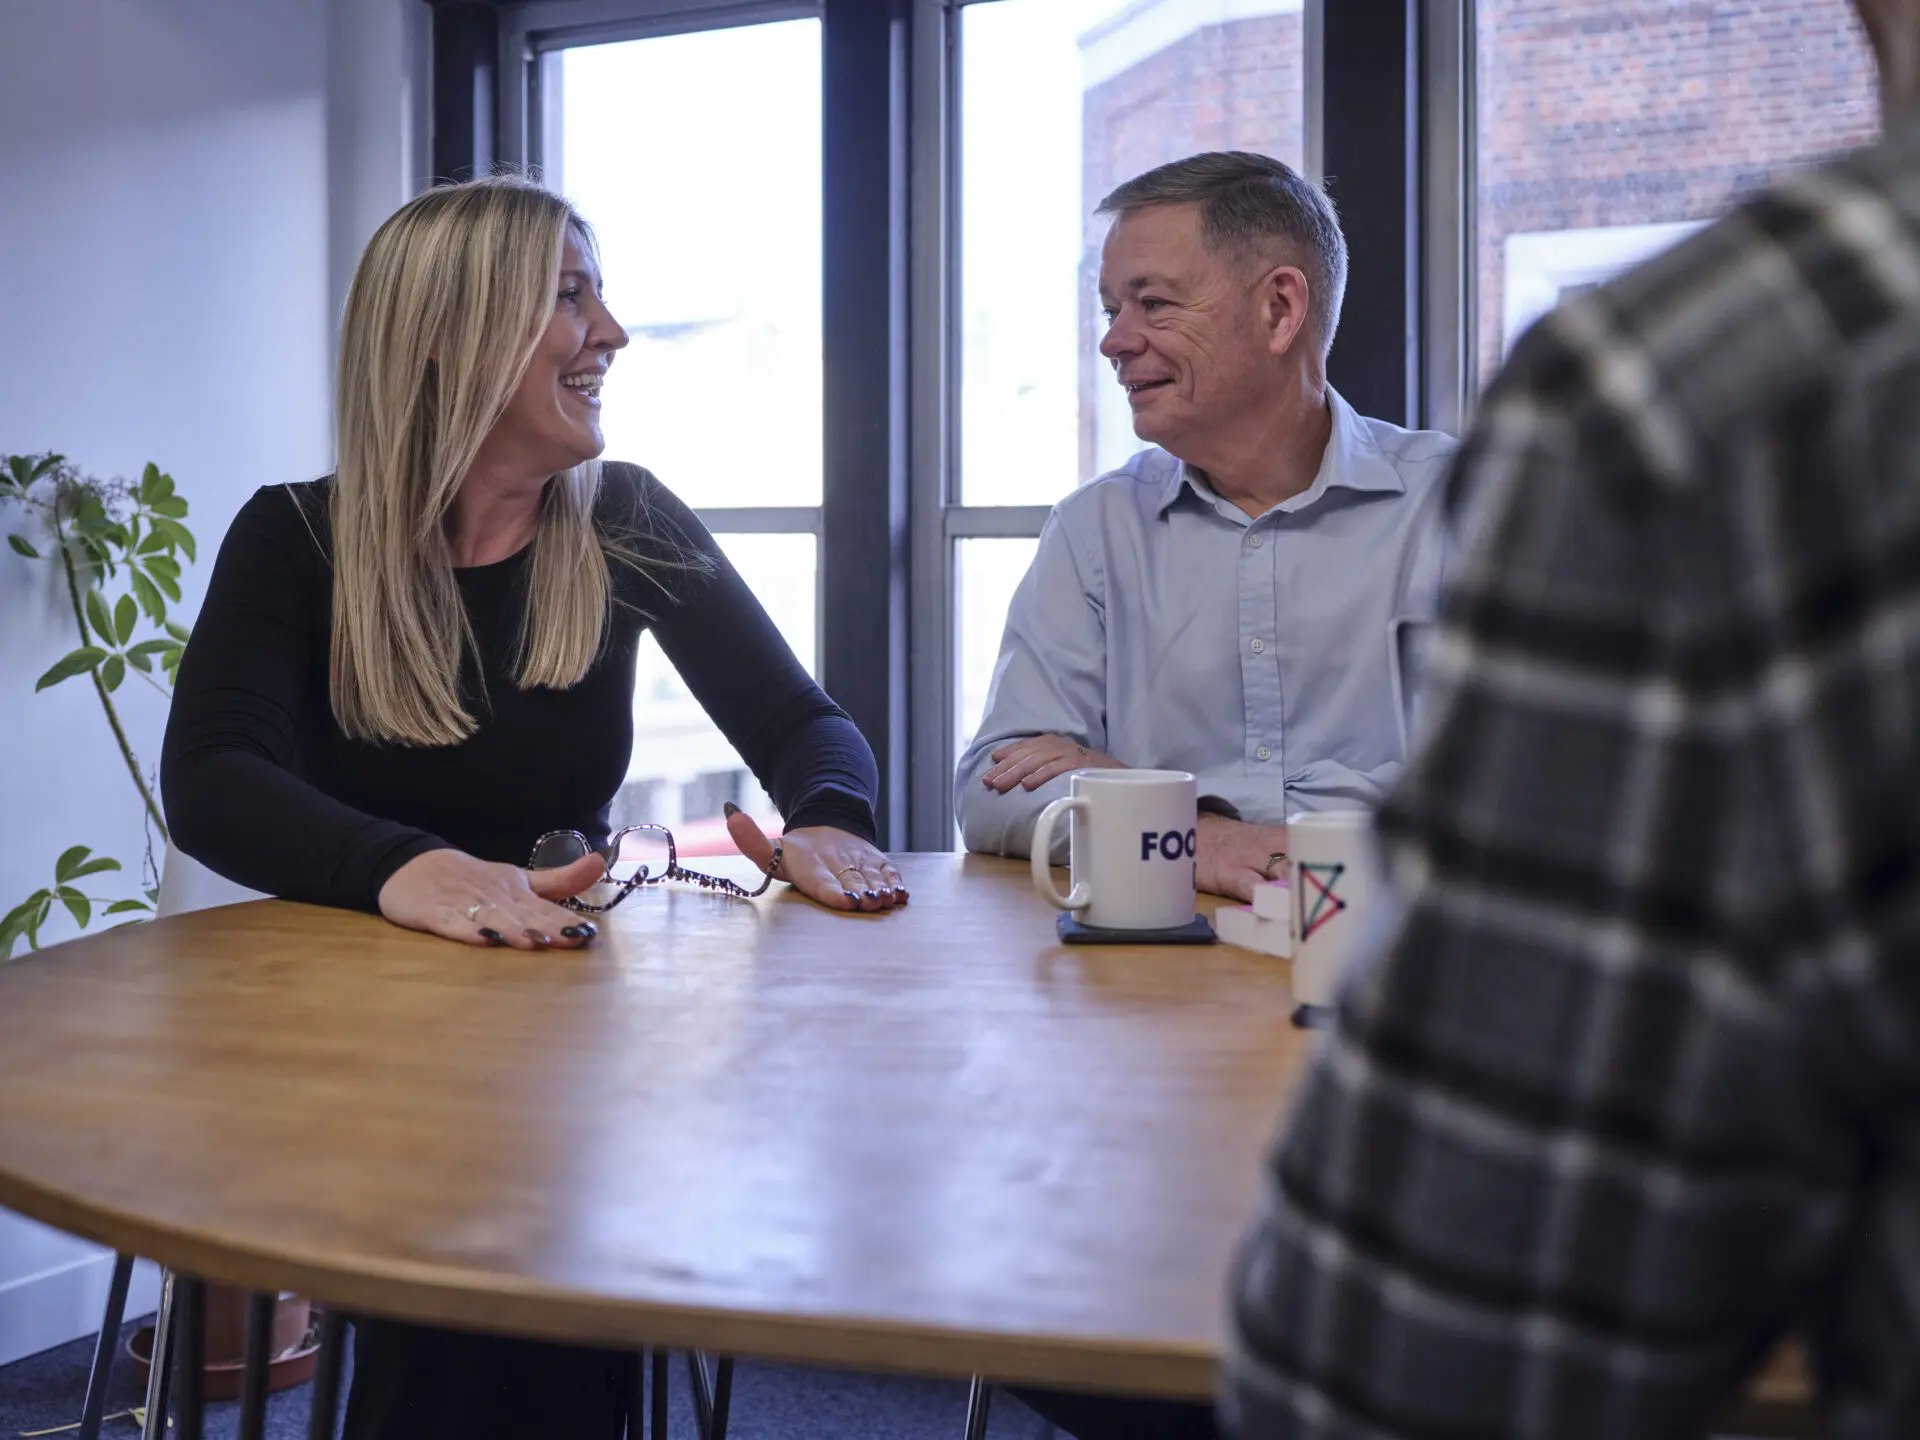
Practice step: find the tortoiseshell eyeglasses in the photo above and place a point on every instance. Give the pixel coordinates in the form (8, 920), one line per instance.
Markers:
(636, 856)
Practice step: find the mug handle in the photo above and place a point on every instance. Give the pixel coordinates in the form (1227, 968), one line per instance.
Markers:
(1082, 894)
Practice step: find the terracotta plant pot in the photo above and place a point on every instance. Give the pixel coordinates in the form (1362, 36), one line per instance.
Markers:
(292, 1348)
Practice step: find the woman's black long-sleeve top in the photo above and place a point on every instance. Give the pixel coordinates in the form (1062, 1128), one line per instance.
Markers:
(261, 785)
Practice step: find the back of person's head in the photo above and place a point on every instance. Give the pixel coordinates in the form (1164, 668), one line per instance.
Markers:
(1259, 207)
(448, 304)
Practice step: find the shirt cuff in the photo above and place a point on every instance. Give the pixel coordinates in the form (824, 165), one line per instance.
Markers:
(418, 844)
(842, 812)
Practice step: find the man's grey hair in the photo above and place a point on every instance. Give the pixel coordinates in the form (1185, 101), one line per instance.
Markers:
(1245, 200)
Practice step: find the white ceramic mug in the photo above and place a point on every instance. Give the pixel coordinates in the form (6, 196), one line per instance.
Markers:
(1330, 858)
(1131, 848)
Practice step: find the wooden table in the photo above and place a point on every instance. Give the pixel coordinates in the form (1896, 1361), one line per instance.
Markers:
(935, 1140)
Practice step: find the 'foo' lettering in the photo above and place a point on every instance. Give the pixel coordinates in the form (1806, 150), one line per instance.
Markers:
(1171, 845)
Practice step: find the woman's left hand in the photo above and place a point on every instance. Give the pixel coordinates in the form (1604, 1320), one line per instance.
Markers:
(833, 867)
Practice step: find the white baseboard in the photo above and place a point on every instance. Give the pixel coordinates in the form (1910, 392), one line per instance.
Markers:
(53, 1287)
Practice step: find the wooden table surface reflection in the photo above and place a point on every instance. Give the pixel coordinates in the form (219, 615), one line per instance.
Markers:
(936, 1140)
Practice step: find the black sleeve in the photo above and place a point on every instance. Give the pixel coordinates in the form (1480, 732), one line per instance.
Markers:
(230, 766)
(805, 751)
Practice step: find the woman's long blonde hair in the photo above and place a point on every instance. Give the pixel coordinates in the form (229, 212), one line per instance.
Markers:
(447, 306)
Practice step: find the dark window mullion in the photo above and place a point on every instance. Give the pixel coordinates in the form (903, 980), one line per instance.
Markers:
(1370, 114)
(863, 550)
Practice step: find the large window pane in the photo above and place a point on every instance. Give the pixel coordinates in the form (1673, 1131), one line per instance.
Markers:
(1607, 131)
(682, 769)
(697, 160)
(986, 572)
(1105, 89)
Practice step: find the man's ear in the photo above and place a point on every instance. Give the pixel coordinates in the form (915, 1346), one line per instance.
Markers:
(1286, 297)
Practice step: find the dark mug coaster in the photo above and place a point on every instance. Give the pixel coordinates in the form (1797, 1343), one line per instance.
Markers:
(1195, 932)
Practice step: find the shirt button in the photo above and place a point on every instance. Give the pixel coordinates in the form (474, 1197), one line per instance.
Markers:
(1263, 753)
(1255, 541)
(1258, 647)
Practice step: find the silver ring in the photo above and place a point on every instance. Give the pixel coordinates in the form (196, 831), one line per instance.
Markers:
(473, 910)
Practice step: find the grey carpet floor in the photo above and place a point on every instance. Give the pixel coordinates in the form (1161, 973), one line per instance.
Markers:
(770, 1402)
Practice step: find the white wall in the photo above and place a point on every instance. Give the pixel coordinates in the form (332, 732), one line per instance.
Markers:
(184, 188)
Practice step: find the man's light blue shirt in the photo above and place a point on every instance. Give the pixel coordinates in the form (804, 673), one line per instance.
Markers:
(1162, 625)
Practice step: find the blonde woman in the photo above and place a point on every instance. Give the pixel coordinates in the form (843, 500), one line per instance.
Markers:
(409, 678)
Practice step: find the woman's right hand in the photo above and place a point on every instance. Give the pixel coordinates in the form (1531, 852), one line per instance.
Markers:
(437, 892)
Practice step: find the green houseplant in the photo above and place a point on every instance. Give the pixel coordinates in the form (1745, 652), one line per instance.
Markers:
(117, 547)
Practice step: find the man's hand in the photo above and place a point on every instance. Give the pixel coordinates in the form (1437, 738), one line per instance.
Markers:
(1232, 856)
(1034, 761)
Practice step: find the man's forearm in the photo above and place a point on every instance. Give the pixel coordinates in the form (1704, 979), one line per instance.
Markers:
(995, 824)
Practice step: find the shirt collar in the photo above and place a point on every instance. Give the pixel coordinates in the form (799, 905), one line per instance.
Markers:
(1352, 462)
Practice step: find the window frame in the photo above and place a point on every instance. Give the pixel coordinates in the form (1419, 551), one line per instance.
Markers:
(892, 514)
(941, 517)
(532, 36)
(1449, 239)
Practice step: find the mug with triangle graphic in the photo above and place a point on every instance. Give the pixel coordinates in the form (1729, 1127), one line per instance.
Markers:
(1331, 855)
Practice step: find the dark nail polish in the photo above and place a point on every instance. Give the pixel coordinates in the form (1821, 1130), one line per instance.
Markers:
(591, 931)
(851, 896)
(872, 895)
(729, 809)
(572, 932)
(492, 937)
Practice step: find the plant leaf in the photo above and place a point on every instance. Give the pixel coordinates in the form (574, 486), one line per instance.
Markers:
(172, 506)
(76, 662)
(21, 547)
(99, 617)
(147, 478)
(126, 907)
(125, 613)
(113, 672)
(38, 918)
(177, 533)
(20, 911)
(153, 544)
(148, 594)
(22, 469)
(149, 648)
(179, 632)
(165, 566)
(142, 663)
(64, 868)
(17, 920)
(167, 583)
(95, 866)
(77, 905)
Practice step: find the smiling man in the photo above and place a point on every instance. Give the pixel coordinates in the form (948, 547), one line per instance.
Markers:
(1222, 603)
